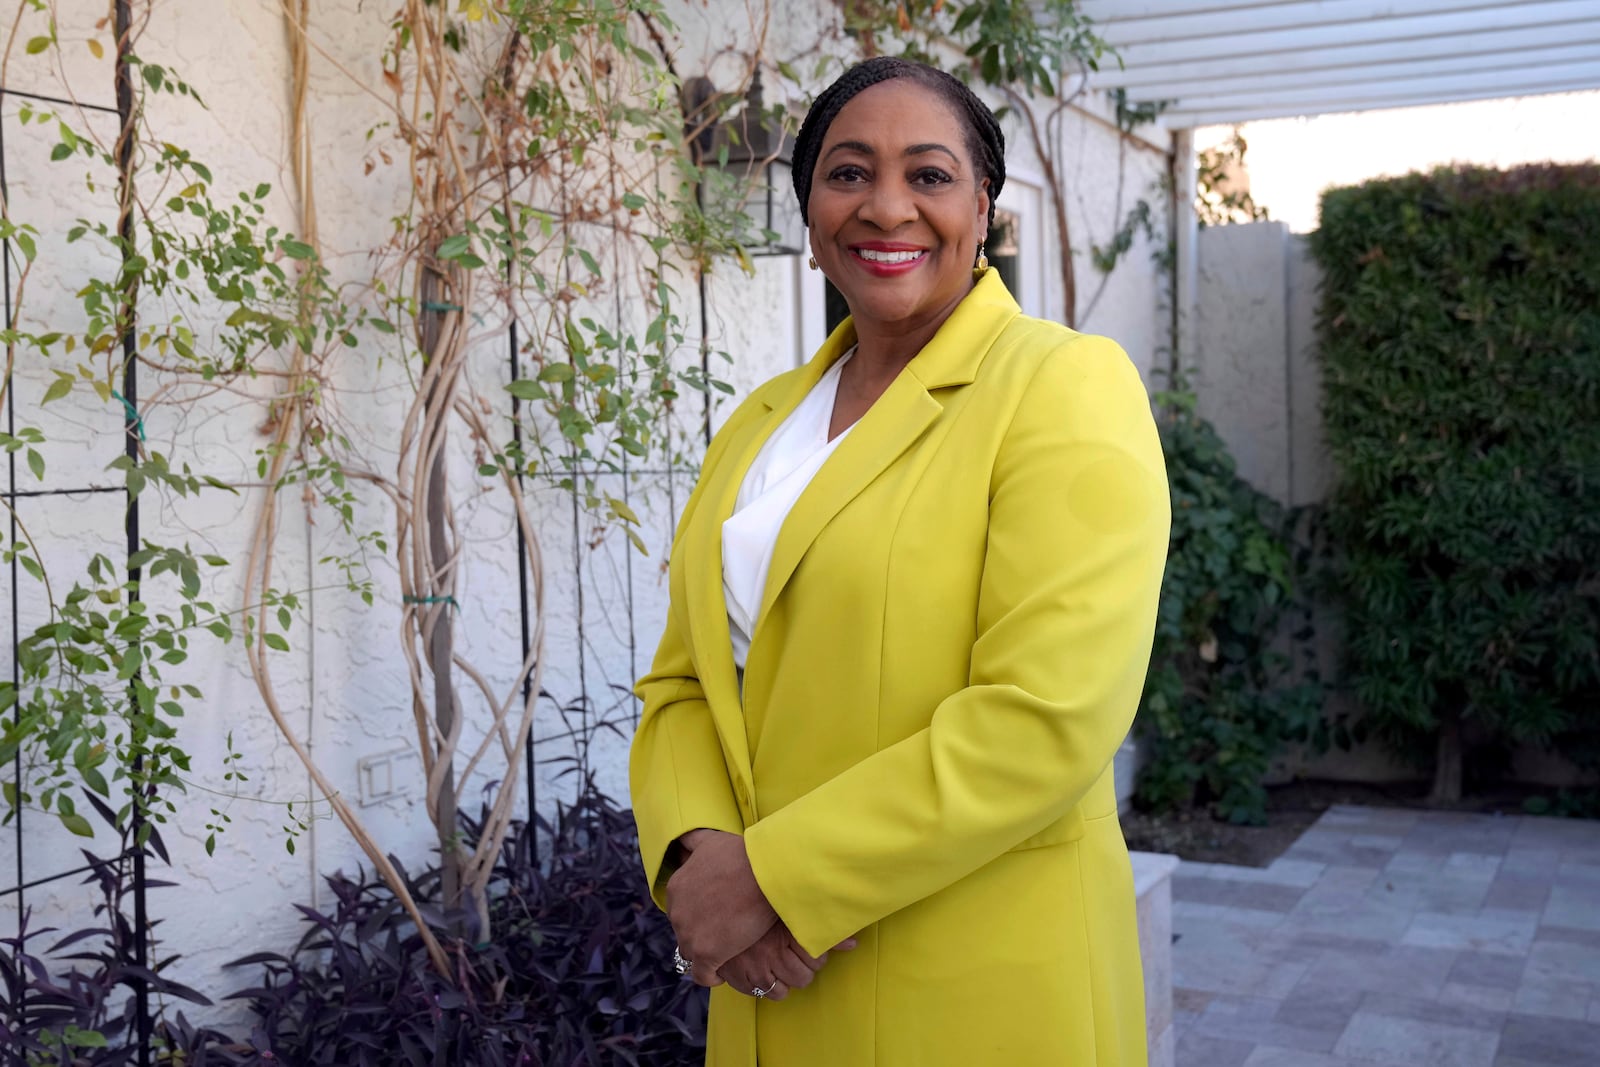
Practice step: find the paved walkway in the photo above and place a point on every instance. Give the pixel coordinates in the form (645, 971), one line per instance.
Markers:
(1395, 938)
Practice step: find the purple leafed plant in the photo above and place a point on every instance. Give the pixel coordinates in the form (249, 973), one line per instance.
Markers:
(578, 973)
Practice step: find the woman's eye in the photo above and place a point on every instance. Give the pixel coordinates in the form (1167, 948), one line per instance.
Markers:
(847, 173)
(931, 176)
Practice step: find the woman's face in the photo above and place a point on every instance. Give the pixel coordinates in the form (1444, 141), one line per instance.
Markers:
(897, 207)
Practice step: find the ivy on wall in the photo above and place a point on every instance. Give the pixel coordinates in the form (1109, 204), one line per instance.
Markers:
(1222, 697)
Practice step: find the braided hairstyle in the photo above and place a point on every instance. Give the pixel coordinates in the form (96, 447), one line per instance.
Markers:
(986, 143)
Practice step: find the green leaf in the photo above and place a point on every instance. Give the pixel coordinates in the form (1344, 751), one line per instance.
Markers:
(275, 641)
(452, 247)
(526, 389)
(132, 660)
(76, 824)
(58, 389)
(556, 372)
(36, 464)
(621, 509)
(96, 781)
(297, 249)
(38, 44)
(80, 1038)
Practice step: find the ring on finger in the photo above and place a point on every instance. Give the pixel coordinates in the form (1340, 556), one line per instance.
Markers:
(761, 994)
(679, 964)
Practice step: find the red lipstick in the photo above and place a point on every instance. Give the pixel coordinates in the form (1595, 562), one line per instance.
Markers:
(888, 259)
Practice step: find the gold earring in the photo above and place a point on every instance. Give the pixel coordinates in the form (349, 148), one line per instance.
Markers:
(812, 262)
(983, 261)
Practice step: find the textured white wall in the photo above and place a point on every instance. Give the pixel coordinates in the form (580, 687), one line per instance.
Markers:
(344, 683)
(1241, 362)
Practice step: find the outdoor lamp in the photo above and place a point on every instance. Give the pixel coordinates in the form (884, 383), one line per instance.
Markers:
(748, 147)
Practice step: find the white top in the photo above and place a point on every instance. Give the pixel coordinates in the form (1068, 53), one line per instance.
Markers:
(782, 469)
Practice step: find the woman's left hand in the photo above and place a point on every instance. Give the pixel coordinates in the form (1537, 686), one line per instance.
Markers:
(715, 905)
(775, 965)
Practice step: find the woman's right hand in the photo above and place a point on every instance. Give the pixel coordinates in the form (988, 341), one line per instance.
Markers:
(775, 964)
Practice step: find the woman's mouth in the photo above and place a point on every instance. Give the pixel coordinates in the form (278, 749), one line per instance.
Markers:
(889, 261)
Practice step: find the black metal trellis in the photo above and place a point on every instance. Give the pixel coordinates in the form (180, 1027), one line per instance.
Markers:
(22, 884)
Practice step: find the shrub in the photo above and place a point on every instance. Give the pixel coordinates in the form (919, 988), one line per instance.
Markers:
(578, 975)
(579, 971)
(1460, 331)
(1219, 701)
(67, 997)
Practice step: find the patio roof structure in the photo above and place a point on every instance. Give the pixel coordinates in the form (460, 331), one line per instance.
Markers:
(1213, 62)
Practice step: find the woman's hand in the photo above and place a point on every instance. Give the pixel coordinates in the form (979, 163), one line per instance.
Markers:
(775, 964)
(715, 905)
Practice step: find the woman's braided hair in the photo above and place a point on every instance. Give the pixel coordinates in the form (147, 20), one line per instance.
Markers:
(986, 143)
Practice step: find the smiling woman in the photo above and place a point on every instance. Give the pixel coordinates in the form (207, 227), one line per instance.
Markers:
(912, 605)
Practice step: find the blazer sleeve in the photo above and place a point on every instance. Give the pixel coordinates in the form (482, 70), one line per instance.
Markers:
(677, 775)
(1078, 528)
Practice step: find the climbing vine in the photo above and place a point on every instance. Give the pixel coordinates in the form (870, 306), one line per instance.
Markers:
(552, 199)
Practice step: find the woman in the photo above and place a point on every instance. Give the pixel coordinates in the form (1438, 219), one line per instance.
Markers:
(912, 599)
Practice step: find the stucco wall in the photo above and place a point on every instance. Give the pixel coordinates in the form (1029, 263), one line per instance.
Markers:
(1254, 367)
(344, 684)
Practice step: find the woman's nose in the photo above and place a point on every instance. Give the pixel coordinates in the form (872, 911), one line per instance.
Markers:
(888, 205)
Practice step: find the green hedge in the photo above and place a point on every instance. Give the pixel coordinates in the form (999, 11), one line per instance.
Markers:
(1460, 332)
(1221, 699)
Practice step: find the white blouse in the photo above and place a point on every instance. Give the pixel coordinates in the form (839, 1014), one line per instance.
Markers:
(782, 469)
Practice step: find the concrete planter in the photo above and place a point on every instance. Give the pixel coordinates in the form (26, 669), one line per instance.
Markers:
(1152, 883)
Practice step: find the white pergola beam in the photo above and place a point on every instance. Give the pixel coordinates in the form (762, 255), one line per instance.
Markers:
(1186, 119)
(1501, 18)
(1306, 14)
(1517, 82)
(1111, 11)
(1154, 81)
(1392, 77)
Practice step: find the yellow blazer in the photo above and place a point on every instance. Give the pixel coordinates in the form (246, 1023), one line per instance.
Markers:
(950, 649)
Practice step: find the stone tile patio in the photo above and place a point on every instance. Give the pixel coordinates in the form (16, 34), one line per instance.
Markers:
(1398, 939)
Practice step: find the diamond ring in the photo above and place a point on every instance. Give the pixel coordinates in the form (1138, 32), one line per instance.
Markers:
(679, 964)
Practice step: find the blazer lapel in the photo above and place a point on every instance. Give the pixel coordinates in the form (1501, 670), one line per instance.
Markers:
(702, 550)
(893, 424)
(906, 409)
